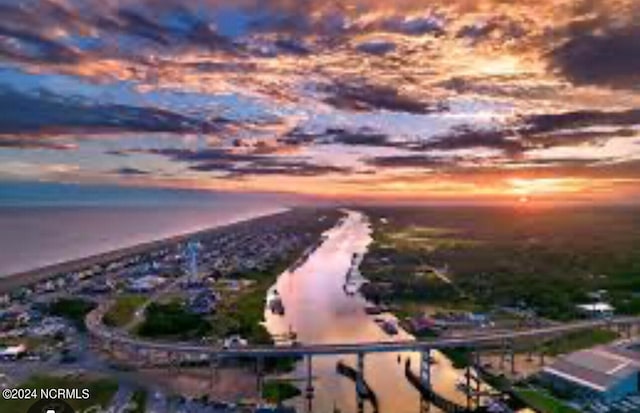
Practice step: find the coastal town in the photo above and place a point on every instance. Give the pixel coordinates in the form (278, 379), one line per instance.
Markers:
(214, 289)
(199, 282)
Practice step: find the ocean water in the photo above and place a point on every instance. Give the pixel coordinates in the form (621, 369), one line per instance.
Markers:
(32, 237)
(44, 224)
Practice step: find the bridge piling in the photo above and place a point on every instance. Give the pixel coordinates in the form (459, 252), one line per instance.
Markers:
(259, 376)
(478, 366)
(309, 388)
(425, 367)
(512, 353)
(213, 366)
(467, 375)
(478, 388)
(360, 385)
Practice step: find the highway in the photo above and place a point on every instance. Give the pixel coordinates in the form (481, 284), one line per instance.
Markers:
(478, 341)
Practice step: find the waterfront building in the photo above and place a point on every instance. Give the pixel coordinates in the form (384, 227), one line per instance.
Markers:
(595, 374)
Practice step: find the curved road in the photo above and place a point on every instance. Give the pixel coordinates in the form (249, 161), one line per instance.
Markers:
(485, 340)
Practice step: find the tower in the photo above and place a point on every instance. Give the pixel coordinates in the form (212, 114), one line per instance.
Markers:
(192, 259)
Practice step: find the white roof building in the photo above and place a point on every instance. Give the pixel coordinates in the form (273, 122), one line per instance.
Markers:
(13, 351)
(598, 373)
(598, 309)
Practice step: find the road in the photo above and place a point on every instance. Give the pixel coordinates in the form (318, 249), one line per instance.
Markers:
(483, 340)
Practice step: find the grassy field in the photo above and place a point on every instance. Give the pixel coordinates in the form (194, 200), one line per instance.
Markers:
(277, 391)
(101, 391)
(123, 309)
(172, 320)
(243, 313)
(139, 400)
(543, 402)
(73, 309)
(546, 259)
(579, 340)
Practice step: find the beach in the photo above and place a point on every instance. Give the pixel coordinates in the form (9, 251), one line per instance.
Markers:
(78, 237)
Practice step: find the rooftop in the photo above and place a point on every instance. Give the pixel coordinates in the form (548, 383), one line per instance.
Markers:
(599, 307)
(598, 368)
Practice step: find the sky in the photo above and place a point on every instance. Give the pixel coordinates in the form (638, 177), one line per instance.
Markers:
(369, 100)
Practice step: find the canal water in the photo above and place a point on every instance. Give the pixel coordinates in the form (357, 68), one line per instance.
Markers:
(320, 312)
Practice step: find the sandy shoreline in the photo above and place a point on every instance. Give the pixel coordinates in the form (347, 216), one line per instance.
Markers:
(24, 278)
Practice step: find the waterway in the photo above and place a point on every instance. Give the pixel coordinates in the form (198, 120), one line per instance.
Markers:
(319, 311)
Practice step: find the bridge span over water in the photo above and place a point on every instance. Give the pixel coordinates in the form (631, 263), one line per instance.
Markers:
(165, 353)
(480, 340)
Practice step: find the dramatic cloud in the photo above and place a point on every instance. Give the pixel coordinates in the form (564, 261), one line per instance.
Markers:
(376, 47)
(130, 171)
(43, 112)
(357, 137)
(412, 161)
(581, 119)
(330, 96)
(360, 96)
(267, 166)
(20, 142)
(601, 51)
(468, 138)
(232, 164)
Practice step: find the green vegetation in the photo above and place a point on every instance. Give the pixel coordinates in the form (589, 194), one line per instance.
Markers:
(243, 313)
(460, 357)
(543, 402)
(101, 391)
(139, 400)
(579, 340)
(238, 312)
(73, 309)
(545, 259)
(123, 309)
(173, 320)
(423, 239)
(281, 364)
(277, 391)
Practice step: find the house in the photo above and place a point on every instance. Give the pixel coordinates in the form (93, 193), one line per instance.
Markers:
(596, 310)
(145, 284)
(12, 352)
(203, 303)
(595, 374)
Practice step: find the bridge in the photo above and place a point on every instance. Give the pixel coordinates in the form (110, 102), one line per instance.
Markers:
(475, 341)
(178, 353)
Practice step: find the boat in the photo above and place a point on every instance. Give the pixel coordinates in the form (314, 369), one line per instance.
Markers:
(389, 327)
(276, 306)
(351, 288)
(372, 309)
(274, 302)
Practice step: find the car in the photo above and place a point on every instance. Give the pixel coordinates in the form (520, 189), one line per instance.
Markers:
(234, 341)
